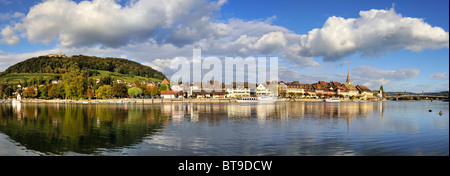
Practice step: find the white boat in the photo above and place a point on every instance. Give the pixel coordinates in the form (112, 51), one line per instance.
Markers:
(15, 101)
(334, 99)
(262, 99)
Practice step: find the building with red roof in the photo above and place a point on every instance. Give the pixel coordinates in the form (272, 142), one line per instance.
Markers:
(168, 94)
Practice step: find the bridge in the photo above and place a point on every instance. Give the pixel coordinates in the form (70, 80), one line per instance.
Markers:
(417, 97)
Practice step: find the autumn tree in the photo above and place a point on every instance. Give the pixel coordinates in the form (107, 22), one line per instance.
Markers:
(319, 94)
(119, 90)
(134, 92)
(104, 91)
(89, 93)
(74, 83)
(29, 92)
(43, 92)
(151, 91)
(53, 91)
(5, 91)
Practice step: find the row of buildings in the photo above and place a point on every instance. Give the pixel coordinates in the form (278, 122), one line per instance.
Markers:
(295, 89)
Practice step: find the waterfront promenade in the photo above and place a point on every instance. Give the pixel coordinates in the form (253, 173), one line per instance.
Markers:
(160, 101)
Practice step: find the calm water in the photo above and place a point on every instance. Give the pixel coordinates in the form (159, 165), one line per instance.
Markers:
(296, 128)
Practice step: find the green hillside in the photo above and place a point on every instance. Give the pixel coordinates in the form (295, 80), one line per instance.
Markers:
(17, 78)
(44, 68)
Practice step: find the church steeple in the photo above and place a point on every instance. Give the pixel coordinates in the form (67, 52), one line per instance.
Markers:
(348, 76)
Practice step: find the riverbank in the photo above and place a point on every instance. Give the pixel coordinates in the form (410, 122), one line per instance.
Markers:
(160, 101)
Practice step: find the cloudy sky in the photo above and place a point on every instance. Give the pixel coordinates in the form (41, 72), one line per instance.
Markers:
(403, 45)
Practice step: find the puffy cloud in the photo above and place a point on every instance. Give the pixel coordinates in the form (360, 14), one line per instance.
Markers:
(374, 84)
(108, 23)
(9, 36)
(8, 16)
(439, 76)
(148, 30)
(162, 65)
(8, 59)
(373, 77)
(181, 23)
(289, 74)
(374, 33)
(137, 52)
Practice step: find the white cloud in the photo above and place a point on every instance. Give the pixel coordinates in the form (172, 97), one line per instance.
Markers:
(374, 77)
(162, 65)
(155, 31)
(439, 76)
(9, 36)
(191, 24)
(376, 83)
(108, 23)
(8, 16)
(374, 33)
(9, 59)
(289, 74)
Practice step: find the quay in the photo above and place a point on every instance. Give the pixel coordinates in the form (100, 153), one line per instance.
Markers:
(162, 101)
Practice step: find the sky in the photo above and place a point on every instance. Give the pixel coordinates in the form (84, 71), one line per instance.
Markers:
(402, 45)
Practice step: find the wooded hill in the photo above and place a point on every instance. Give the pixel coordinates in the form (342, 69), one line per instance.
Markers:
(45, 67)
(60, 65)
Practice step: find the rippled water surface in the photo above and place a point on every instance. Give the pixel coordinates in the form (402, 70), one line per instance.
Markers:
(291, 128)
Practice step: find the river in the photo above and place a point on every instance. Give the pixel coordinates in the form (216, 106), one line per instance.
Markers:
(390, 128)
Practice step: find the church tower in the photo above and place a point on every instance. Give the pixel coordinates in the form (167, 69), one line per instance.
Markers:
(348, 76)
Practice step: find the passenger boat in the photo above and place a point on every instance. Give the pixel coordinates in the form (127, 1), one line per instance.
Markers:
(262, 99)
(334, 99)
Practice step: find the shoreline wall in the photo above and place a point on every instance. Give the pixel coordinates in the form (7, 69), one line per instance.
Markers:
(159, 101)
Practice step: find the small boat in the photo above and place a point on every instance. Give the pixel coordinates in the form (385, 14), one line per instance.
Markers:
(334, 99)
(16, 101)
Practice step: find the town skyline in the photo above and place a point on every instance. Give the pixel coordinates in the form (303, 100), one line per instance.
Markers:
(402, 45)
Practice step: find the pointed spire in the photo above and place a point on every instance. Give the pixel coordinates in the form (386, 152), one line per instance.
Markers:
(348, 76)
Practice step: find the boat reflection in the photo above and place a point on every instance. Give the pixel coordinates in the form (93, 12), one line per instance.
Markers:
(214, 113)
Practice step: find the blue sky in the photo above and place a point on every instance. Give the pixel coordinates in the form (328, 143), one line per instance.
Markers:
(393, 54)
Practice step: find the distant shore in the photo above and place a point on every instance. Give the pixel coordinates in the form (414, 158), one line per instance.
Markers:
(160, 101)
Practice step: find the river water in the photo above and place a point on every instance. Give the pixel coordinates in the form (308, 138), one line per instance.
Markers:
(390, 128)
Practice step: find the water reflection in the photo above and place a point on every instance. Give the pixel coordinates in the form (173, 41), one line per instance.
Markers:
(58, 129)
(214, 113)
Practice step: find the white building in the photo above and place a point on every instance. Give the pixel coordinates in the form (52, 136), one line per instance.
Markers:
(262, 90)
(168, 94)
(237, 90)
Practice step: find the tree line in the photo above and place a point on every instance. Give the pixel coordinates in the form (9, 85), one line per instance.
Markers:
(46, 64)
(78, 84)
